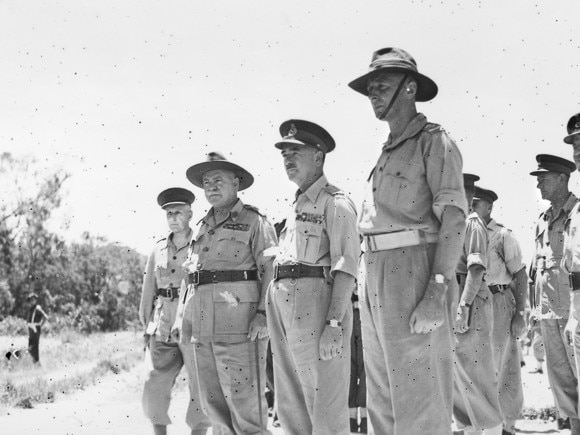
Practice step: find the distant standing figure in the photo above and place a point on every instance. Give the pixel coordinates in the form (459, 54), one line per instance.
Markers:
(36, 319)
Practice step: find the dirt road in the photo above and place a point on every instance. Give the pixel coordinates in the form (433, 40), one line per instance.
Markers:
(113, 407)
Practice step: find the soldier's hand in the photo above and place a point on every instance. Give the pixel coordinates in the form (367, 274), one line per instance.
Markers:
(429, 313)
(519, 327)
(462, 320)
(258, 327)
(570, 330)
(176, 333)
(330, 344)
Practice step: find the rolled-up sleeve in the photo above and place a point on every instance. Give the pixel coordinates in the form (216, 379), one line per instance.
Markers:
(263, 241)
(444, 172)
(340, 216)
(148, 290)
(513, 254)
(475, 245)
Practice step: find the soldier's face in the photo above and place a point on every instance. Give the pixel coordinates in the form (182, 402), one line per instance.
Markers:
(549, 184)
(482, 208)
(220, 187)
(381, 91)
(178, 217)
(576, 146)
(300, 163)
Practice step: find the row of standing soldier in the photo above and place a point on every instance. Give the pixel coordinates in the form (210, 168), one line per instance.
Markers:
(431, 323)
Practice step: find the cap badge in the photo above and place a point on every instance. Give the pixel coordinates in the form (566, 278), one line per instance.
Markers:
(293, 130)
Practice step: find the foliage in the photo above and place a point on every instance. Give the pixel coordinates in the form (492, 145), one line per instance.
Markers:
(89, 285)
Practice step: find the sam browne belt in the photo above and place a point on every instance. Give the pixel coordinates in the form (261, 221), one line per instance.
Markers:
(169, 292)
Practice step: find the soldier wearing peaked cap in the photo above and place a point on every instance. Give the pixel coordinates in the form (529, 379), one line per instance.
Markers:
(508, 281)
(157, 312)
(573, 128)
(222, 312)
(552, 288)
(476, 405)
(309, 309)
(413, 222)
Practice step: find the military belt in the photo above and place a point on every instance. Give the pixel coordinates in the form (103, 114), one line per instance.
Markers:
(496, 288)
(200, 277)
(574, 279)
(398, 239)
(169, 292)
(298, 270)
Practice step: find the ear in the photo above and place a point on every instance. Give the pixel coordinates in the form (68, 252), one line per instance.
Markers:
(318, 158)
(411, 88)
(236, 183)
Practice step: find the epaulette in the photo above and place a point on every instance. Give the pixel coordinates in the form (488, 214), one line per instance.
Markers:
(333, 190)
(431, 127)
(164, 239)
(255, 209)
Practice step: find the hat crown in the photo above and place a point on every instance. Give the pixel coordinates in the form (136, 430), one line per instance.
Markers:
(573, 124)
(392, 57)
(215, 156)
(551, 163)
(299, 131)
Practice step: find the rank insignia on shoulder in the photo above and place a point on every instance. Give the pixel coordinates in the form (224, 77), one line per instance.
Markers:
(310, 217)
(433, 128)
(333, 190)
(255, 209)
(237, 227)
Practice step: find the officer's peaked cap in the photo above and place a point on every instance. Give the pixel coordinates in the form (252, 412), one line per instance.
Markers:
(300, 132)
(549, 163)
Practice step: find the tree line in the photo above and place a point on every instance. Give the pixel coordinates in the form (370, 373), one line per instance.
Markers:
(90, 285)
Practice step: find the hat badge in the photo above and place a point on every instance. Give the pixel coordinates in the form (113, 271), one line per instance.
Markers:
(293, 130)
(577, 125)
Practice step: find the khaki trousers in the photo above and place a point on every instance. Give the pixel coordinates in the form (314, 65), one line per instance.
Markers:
(167, 360)
(409, 376)
(312, 394)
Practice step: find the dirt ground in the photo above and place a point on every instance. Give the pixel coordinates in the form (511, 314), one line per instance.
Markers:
(113, 407)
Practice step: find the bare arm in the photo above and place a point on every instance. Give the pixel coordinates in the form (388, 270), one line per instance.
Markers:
(429, 313)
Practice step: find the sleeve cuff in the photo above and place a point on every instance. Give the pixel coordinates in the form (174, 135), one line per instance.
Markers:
(344, 264)
(476, 259)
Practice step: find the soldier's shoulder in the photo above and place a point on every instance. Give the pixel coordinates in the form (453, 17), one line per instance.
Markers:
(161, 241)
(333, 190)
(254, 209)
(433, 128)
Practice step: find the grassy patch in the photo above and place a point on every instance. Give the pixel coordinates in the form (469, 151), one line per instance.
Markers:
(547, 413)
(69, 361)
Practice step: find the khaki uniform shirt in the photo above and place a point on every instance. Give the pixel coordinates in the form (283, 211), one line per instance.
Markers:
(245, 240)
(552, 287)
(475, 251)
(416, 176)
(571, 259)
(164, 269)
(321, 230)
(505, 256)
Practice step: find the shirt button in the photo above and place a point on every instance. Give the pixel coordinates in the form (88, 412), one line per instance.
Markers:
(205, 249)
(381, 169)
(211, 232)
(174, 257)
(374, 189)
(550, 227)
(172, 270)
(398, 173)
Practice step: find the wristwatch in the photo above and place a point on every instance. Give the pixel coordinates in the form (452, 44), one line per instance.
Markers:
(439, 278)
(333, 323)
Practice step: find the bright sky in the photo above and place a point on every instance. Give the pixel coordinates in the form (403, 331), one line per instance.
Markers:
(126, 95)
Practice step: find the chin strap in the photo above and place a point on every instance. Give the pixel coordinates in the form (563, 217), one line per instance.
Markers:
(394, 98)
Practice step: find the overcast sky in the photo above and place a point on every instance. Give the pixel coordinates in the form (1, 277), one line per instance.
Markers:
(126, 95)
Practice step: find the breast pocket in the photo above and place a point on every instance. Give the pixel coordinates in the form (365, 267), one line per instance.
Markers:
(232, 244)
(235, 305)
(398, 184)
(309, 239)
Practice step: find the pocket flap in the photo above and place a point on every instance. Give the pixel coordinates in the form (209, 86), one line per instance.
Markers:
(238, 236)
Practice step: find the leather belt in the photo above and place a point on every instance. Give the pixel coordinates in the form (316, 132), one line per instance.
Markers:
(398, 239)
(496, 288)
(169, 292)
(574, 279)
(200, 277)
(298, 270)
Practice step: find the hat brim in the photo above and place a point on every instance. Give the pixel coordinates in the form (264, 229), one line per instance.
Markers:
(570, 138)
(285, 142)
(195, 173)
(544, 171)
(427, 88)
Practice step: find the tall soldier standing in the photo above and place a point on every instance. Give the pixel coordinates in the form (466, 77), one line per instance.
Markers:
(309, 308)
(413, 224)
(552, 288)
(159, 300)
(508, 282)
(571, 260)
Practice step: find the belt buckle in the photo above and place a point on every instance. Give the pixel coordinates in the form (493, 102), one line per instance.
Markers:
(195, 278)
(214, 276)
(173, 293)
